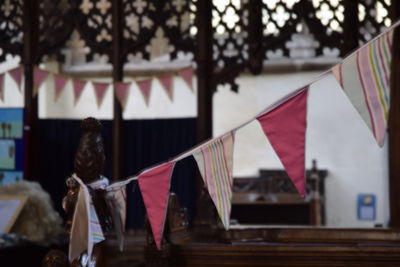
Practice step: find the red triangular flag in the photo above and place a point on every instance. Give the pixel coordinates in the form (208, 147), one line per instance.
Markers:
(16, 74)
(187, 76)
(166, 82)
(285, 128)
(100, 91)
(121, 90)
(59, 85)
(154, 185)
(38, 78)
(145, 89)
(78, 87)
(2, 86)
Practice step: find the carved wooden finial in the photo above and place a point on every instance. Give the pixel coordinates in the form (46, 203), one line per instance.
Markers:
(89, 158)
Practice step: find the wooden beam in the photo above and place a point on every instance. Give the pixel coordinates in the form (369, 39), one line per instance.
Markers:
(350, 27)
(118, 63)
(205, 66)
(394, 124)
(29, 59)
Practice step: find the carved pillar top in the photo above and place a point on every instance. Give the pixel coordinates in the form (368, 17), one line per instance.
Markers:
(89, 158)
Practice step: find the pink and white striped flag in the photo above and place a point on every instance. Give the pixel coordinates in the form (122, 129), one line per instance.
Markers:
(122, 92)
(59, 85)
(365, 78)
(16, 74)
(215, 162)
(145, 89)
(187, 76)
(78, 86)
(154, 185)
(285, 128)
(39, 76)
(118, 211)
(100, 91)
(166, 82)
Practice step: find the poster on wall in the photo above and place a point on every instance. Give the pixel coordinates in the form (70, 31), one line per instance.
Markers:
(7, 154)
(11, 122)
(8, 177)
(11, 145)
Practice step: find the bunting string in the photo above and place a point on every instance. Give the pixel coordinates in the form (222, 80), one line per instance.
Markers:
(284, 124)
(121, 88)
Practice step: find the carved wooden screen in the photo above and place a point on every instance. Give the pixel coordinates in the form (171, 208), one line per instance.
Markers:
(11, 23)
(245, 33)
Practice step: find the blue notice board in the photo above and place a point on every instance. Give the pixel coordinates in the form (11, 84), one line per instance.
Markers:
(366, 207)
(11, 145)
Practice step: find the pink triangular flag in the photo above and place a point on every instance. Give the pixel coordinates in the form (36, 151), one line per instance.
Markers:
(145, 89)
(166, 82)
(59, 85)
(100, 91)
(38, 78)
(16, 74)
(285, 128)
(154, 185)
(187, 76)
(121, 90)
(78, 87)
(2, 86)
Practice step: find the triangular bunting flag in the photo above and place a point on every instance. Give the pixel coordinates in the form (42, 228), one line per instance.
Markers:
(118, 211)
(145, 89)
(38, 78)
(100, 91)
(86, 229)
(59, 85)
(154, 185)
(16, 74)
(121, 90)
(365, 78)
(215, 162)
(166, 82)
(78, 87)
(285, 128)
(2, 86)
(187, 76)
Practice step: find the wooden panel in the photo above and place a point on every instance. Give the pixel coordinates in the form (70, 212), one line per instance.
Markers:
(278, 254)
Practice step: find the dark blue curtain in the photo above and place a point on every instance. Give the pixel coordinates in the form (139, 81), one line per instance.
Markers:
(146, 142)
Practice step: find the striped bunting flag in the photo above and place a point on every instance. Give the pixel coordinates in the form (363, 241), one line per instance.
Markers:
(117, 200)
(365, 78)
(215, 162)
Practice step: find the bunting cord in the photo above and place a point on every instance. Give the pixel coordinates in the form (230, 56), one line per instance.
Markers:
(285, 98)
(121, 183)
(391, 27)
(266, 110)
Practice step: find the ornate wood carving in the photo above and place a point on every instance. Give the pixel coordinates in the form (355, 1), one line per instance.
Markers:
(54, 26)
(11, 28)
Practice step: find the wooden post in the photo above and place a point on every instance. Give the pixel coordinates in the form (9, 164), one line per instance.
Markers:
(205, 90)
(394, 124)
(118, 63)
(350, 27)
(29, 59)
(205, 83)
(255, 31)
